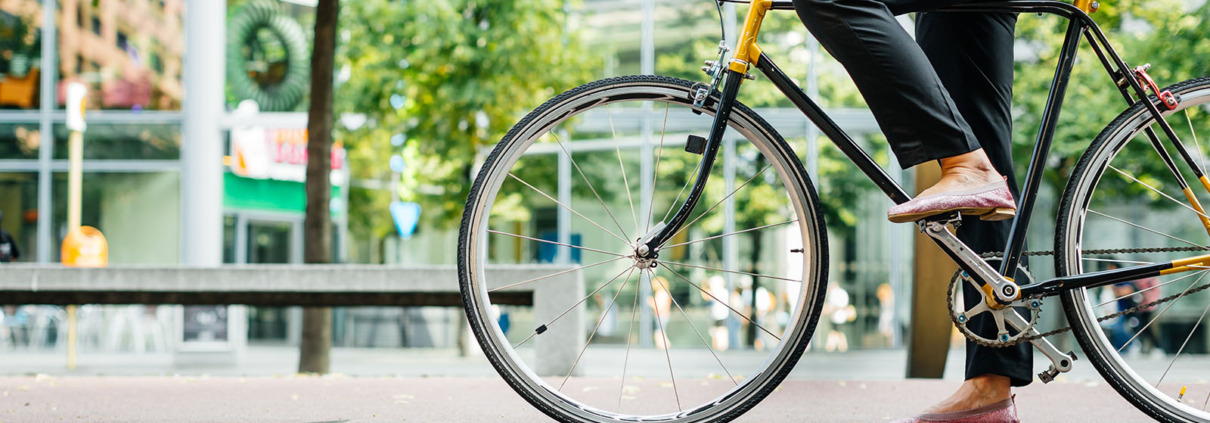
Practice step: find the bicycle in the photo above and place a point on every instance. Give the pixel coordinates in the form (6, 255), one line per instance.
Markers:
(1127, 167)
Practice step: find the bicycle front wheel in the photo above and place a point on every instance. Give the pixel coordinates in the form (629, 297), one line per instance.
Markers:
(703, 332)
(1124, 207)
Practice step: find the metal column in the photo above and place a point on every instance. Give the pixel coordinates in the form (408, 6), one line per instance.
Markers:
(202, 141)
(46, 149)
(646, 67)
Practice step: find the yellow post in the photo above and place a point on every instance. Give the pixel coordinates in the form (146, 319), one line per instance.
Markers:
(71, 337)
(75, 179)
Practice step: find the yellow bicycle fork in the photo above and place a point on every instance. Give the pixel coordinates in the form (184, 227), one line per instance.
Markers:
(746, 50)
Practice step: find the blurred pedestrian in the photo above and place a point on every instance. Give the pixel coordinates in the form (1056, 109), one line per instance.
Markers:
(661, 303)
(839, 312)
(1149, 289)
(8, 245)
(716, 296)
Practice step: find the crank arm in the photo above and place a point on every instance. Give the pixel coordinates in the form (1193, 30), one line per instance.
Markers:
(1059, 362)
(1006, 291)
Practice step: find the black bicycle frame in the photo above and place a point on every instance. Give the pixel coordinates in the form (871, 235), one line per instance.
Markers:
(1079, 24)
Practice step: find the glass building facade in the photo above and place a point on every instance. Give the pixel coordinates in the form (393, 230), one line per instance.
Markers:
(130, 56)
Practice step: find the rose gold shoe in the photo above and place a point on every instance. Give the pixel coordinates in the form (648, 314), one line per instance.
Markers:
(1000, 412)
(990, 202)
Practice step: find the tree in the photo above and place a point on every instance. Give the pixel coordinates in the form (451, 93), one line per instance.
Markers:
(1165, 33)
(451, 77)
(317, 228)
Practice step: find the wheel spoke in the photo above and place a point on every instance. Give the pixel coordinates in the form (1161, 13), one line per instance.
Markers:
(700, 216)
(625, 181)
(698, 332)
(666, 247)
(629, 334)
(1183, 344)
(1115, 300)
(567, 207)
(720, 301)
(1146, 229)
(590, 187)
(1177, 202)
(555, 274)
(542, 328)
(1195, 143)
(1161, 314)
(656, 172)
(555, 243)
(667, 344)
(755, 275)
(604, 313)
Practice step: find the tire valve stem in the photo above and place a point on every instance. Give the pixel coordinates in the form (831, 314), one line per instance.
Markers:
(1182, 394)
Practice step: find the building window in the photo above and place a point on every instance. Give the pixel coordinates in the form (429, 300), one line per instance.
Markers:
(134, 78)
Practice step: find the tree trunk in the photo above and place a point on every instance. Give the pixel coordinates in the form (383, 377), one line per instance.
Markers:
(317, 228)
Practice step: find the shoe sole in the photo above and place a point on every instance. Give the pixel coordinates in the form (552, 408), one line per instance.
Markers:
(987, 214)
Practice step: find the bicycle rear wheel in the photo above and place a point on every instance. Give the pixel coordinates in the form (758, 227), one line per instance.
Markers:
(1121, 196)
(581, 155)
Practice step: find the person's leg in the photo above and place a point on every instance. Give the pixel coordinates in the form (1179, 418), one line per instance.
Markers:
(902, 90)
(910, 103)
(972, 53)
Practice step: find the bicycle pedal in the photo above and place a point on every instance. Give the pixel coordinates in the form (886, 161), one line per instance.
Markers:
(1048, 375)
(948, 218)
(695, 144)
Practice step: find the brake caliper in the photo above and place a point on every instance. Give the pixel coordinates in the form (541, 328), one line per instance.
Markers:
(1166, 98)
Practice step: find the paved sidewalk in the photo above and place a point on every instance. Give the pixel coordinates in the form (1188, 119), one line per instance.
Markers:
(881, 364)
(345, 399)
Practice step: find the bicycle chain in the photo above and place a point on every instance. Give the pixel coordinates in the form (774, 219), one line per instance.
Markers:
(1031, 338)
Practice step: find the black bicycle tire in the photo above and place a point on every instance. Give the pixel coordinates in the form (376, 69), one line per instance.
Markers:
(812, 317)
(1084, 330)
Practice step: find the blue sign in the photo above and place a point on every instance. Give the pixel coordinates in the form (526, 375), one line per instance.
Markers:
(405, 215)
(547, 252)
(397, 164)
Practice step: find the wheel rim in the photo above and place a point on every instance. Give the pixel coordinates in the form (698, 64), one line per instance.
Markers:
(1098, 218)
(732, 389)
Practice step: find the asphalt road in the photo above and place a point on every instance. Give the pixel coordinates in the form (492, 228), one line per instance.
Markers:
(311, 399)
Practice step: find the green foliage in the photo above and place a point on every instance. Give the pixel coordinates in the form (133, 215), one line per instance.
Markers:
(1161, 32)
(452, 76)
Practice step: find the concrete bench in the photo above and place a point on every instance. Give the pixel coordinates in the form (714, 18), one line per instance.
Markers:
(311, 285)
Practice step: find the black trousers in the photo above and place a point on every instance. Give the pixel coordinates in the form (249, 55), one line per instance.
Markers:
(947, 93)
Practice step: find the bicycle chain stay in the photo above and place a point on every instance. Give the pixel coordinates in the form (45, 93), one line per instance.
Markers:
(978, 340)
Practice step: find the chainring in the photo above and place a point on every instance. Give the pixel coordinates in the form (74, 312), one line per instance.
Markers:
(1004, 338)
